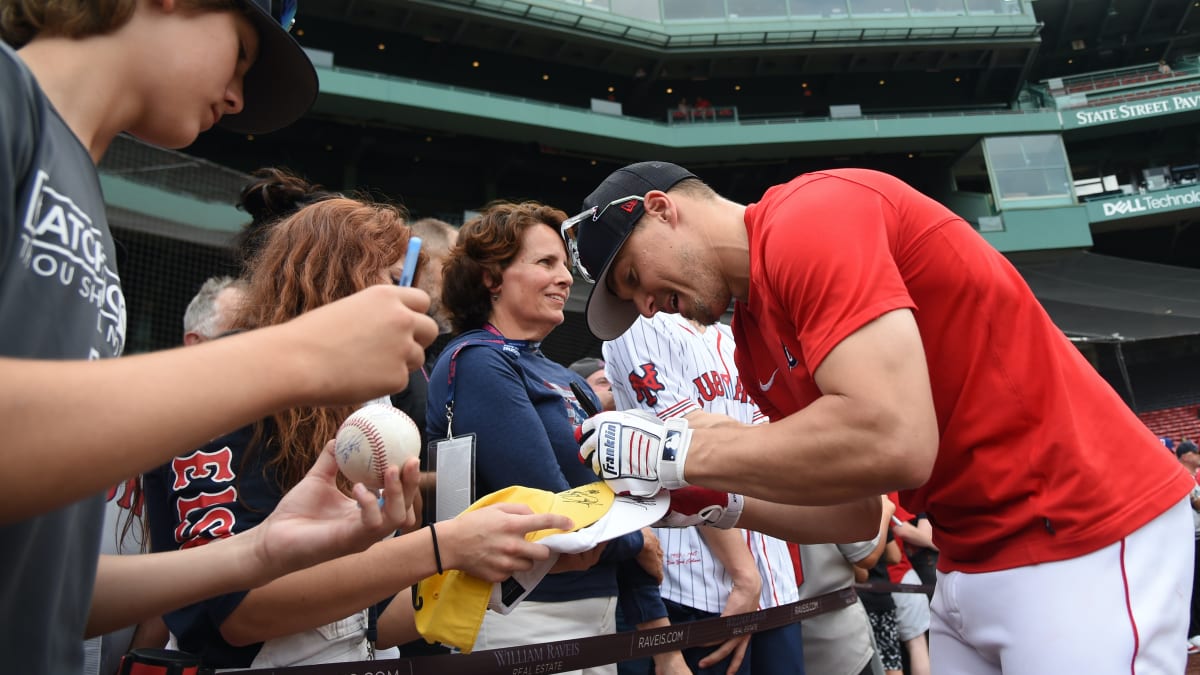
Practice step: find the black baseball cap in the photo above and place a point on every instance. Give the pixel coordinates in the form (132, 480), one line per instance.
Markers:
(595, 235)
(281, 85)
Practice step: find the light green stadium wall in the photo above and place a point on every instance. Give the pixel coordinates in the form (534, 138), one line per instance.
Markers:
(170, 206)
(358, 95)
(970, 205)
(1037, 229)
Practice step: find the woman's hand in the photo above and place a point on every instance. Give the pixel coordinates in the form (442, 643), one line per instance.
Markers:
(743, 598)
(578, 562)
(651, 556)
(490, 543)
(315, 521)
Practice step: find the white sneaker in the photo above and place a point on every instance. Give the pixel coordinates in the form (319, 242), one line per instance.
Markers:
(1194, 640)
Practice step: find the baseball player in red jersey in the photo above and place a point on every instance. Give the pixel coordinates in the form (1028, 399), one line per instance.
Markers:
(676, 369)
(893, 348)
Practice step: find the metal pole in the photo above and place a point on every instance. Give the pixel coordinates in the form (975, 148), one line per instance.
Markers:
(1125, 376)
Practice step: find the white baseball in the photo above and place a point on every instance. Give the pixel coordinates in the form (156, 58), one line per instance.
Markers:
(372, 439)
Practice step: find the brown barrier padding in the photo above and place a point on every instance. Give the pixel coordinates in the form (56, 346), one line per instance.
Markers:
(556, 657)
(885, 587)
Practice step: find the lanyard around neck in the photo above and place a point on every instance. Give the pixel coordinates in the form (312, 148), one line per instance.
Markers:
(497, 341)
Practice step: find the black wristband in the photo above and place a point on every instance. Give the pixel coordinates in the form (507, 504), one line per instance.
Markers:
(437, 554)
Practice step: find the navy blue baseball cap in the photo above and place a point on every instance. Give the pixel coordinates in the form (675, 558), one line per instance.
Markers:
(281, 84)
(595, 235)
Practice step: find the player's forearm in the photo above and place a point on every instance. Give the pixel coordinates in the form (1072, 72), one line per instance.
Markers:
(330, 591)
(833, 451)
(700, 419)
(132, 588)
(120, 417)
(836, 524)
(872, 431)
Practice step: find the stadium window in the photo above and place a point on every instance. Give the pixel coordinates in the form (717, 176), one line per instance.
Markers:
(635, 9)
(693, 9)
(757, 8)
(1029, 170)
(943, 7)
(825, 8)
(877, 8)
(993, 7)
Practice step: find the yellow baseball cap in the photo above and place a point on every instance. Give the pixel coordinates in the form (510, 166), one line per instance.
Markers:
(449, 607)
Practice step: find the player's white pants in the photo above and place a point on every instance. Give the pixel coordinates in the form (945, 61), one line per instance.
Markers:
(1120, 610)
(537, 622)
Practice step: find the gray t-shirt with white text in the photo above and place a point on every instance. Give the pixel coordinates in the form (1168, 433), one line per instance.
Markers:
(60, 298)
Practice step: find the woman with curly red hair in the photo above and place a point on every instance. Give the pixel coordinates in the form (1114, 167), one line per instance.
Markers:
(325, 251)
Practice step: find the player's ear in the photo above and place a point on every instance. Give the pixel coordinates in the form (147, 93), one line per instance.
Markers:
(659, 206)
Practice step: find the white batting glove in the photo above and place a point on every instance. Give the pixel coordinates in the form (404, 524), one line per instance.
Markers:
(635, 452)
(701, 506)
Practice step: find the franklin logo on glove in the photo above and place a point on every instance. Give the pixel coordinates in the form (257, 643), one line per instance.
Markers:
(635, 452)
(611, 434)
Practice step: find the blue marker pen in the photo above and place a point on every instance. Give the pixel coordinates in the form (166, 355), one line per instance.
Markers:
(410, 262)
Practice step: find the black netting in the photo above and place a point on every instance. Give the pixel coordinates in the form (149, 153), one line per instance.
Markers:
(163, 263)
(160, 275)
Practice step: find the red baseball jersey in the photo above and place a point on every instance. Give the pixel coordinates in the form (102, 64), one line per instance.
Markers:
(1039, 459)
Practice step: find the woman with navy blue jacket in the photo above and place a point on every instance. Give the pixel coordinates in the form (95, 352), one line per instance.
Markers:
(506, 284)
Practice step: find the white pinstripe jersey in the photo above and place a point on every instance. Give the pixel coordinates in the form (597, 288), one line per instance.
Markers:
(667, 366)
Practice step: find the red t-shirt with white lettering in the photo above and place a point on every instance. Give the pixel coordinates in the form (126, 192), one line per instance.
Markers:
(1039, 459)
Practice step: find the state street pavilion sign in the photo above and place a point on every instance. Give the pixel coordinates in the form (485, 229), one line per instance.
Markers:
(1124, 112)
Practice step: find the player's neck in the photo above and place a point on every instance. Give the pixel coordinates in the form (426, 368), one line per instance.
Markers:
(729, 241)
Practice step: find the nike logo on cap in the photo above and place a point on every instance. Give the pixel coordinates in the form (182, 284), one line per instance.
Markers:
(766, 386)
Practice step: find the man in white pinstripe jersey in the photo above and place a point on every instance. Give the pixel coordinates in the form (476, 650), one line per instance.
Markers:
(675, 368)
